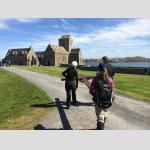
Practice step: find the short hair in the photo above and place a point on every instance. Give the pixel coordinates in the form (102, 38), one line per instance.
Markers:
(105, 59)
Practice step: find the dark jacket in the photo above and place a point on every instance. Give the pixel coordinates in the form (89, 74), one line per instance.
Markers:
(71, 74)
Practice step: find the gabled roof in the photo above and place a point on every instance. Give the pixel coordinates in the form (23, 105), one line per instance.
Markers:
(18, 51)
(58, 49)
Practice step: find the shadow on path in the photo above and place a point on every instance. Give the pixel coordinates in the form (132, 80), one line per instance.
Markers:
(63, 117)
(61, 106)
(47, 105)
(54, 104)
(41, 127)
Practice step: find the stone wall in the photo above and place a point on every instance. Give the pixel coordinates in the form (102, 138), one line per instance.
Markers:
(49, 59)
(126, 70)
(131, 70)
(61, 58)
(17, 60)
(73, 57)
(32, 58)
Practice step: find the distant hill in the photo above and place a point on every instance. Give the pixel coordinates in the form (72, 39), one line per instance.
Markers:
(93, 62)
(131, 59)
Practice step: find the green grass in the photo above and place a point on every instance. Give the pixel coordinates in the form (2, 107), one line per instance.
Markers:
(16, 97)
(136, 86)
(52, 71)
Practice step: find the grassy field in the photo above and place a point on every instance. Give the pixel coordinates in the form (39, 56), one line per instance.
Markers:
(16, 97)
(136, 86)
(53, 71)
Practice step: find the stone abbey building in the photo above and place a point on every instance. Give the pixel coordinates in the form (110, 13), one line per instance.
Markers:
(54, 55)
(22, 56)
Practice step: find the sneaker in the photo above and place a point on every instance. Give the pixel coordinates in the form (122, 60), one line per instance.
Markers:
(74, 102)
(67, 105)
(100, 126)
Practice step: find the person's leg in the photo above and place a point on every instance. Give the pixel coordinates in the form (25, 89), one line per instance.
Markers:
(68, 92)
(113, 96)
(73, 88)
(105, 115)
(100, 117)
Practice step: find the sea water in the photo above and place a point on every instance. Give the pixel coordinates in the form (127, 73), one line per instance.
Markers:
(131, 64)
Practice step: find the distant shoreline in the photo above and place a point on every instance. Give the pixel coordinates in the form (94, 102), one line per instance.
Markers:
(121, 64)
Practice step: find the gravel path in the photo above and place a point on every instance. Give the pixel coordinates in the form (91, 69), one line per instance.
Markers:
(125, 114)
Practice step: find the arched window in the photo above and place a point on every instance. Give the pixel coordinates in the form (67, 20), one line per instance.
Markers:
(22, 52)
(13, 52)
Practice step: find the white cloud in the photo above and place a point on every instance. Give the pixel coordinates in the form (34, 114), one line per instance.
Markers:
(3, 24)
(139, 27)
(67, 25)
(125, 39)
(64, 21)
(26, 20)
(124, 31)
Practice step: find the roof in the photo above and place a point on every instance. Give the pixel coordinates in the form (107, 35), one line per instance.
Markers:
(58, 49)
(18, 51)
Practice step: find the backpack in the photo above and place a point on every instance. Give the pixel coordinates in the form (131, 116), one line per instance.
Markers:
(104, 94)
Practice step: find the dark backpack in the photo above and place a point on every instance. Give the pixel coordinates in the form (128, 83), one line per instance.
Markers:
(104, 94)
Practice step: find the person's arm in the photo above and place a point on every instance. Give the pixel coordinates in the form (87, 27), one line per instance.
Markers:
(64, 73)
(90, 85)
(92, 90)
(76, 79)
(83, 79)
(113, 86)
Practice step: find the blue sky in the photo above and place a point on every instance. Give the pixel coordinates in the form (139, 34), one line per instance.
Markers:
(118, 37)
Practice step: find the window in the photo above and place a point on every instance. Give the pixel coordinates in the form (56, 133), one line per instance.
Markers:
(22, 52)
(13, 52)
